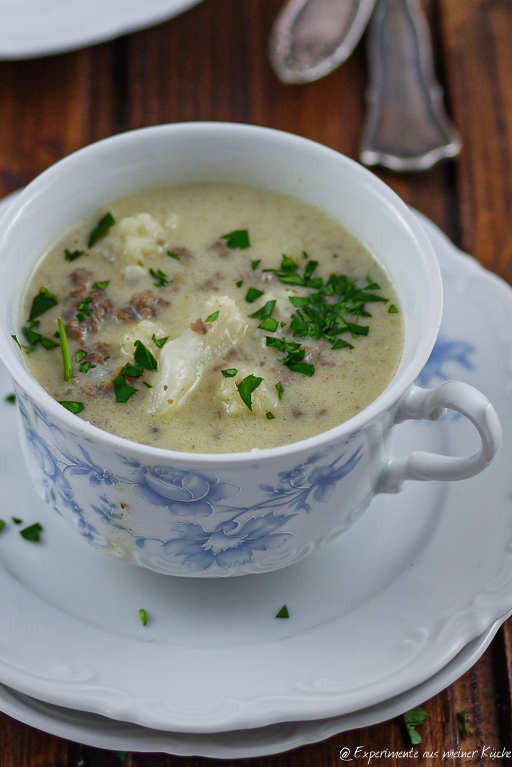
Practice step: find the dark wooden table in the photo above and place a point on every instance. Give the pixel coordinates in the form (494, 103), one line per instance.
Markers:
(211, 64)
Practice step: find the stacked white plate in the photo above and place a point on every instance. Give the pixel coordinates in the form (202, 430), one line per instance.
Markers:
(383, 618)
(32, 28)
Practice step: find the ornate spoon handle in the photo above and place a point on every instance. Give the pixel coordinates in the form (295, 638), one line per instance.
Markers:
(407, 127)
(310, 38)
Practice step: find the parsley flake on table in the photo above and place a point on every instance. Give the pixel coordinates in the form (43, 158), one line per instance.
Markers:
(239, 239)
(101, 228)
(413, 719)
(42, 302)
(32, 532)
(462, 716)
(246, 387)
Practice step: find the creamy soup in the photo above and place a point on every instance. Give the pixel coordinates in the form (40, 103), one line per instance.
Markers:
(211, 318)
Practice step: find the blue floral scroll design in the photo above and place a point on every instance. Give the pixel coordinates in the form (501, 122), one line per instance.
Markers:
(444, 352)
(231, 540)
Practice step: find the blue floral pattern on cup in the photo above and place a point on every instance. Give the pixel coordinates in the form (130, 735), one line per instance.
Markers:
(231, 535)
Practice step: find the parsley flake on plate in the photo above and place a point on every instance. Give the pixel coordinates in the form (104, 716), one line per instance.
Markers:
(32, 532)
(11, 398)
(283, 612)
(143, 616)
(2, 524)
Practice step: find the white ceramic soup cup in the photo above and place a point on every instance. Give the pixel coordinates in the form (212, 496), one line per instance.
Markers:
(211, 515)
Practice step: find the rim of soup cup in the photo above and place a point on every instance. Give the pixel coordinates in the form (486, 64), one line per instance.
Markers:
(401, 381)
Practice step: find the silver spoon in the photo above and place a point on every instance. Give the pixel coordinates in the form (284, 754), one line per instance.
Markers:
(310, 38)
(407, 127)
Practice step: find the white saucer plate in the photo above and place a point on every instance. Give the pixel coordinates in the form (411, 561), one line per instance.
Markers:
(100, 732)
(378, 612)
(32, 28)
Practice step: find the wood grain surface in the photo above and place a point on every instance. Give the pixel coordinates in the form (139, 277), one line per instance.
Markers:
(211, 64)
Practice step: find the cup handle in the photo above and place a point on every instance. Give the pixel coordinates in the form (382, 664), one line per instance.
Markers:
(431, 404)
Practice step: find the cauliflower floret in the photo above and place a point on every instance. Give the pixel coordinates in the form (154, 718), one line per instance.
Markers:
(131, 239)
(184, 360)
(141, 331)
(263, 399)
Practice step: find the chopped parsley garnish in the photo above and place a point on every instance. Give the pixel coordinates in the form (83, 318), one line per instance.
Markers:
(255, 264)
(15, 339)
(265, 311)
(161, 279)
(412, 719)
(294, 355)
(66, 356)
(269, 324)
(270, 415)
(42, 302)
(32, 532)
(17, 520)
(237, 239)
(34, 338)
(122, 390)
(84, 307)
(462, 716)
(246, 388)
(239, 283)
(283, 612)
(80, 355)
(143, 616)
(84, 366)
(147, 385)
(392, 309)
(143, 356)
(280, 389)
(70, 256)
(212, 317)
(10, 398)
(253, 294)
(229, 372)
(159, 341)
(2, 524)
(100, 285)
(132, 370)
(101, 228)
(72, 406)
(171, 254)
